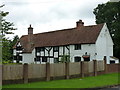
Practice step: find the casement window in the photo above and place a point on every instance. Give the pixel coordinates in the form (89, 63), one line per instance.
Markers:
(77, 46)
(56, 60)
(77, 59)
(37, 59)
(44, 59)
(40, 49)
(19, 58)
(55, 49)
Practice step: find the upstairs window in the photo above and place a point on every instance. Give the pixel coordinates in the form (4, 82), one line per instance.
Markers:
(40, 49)
(55, 49)
(77, 46)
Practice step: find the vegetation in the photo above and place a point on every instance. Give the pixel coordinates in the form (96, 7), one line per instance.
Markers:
(6, 43)
(109, 13)
(65, 58)
(87, 82)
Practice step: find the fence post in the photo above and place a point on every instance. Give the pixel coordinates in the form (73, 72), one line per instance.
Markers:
(95, 67)
(67, 69)
(47, 71)
(25, 73)
(1, 72)
(105, 64)
(82, 69)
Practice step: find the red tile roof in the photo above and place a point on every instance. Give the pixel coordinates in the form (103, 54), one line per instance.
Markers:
(84, 35)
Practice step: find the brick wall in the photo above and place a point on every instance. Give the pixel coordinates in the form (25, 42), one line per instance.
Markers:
(111, 68)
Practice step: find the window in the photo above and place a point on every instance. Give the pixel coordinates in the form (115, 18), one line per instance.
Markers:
(37, 59)
(19, 48)
(111, 61)
(56, 60)
(20, 58)
(55, 49)
(42, 49)
(77, 59)
(44, 59)
(78, 47)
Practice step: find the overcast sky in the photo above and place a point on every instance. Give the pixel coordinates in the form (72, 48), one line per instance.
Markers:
(49, 15)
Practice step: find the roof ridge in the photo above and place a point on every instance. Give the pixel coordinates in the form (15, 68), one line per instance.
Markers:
(94, 25)
(55, 31)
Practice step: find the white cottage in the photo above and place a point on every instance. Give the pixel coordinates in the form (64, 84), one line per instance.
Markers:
(82, 43)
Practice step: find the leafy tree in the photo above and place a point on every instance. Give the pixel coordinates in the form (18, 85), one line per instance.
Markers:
(6, 28)
(6, 54)
(109, 13)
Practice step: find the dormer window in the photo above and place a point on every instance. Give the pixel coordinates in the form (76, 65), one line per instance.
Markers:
(77, 46)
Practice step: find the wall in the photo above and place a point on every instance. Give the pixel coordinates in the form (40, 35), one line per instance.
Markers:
(89, 48)
(37, 72)
(104, 44)
(28, 57)
(113, 68)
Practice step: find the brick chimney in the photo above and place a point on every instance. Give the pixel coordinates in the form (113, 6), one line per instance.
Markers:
(30, 30)
(30, 36)
(79, 24)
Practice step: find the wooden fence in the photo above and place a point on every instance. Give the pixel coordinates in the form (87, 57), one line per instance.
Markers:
(49, 71)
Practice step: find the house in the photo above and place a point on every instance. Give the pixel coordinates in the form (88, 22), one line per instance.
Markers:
(82, 43)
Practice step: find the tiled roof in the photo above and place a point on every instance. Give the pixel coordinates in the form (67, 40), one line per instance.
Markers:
(83, 35)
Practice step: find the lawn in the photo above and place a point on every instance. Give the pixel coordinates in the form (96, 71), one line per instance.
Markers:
(87, 82)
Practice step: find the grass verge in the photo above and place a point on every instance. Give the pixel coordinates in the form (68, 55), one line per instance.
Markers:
(87, 82)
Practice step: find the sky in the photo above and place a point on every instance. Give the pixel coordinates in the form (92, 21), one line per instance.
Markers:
(49, 15)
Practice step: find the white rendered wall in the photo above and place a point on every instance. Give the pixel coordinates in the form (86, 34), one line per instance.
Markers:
(28, 57)
(104, 44)
(89, 48)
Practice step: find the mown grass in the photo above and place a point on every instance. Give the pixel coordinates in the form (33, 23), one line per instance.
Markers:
(87, 82)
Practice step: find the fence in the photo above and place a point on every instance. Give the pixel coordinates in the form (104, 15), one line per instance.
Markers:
(36, 72)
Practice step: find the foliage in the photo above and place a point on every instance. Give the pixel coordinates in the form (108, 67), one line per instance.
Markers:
(7, 51)
(6, 55)
(109, 13)
(65, 58)
(87, 82)
(6, 28)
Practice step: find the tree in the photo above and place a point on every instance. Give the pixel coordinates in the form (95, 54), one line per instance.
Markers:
(6, 28)
(109, 13)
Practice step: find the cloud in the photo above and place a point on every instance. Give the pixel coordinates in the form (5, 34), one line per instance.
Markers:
(47, 15)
